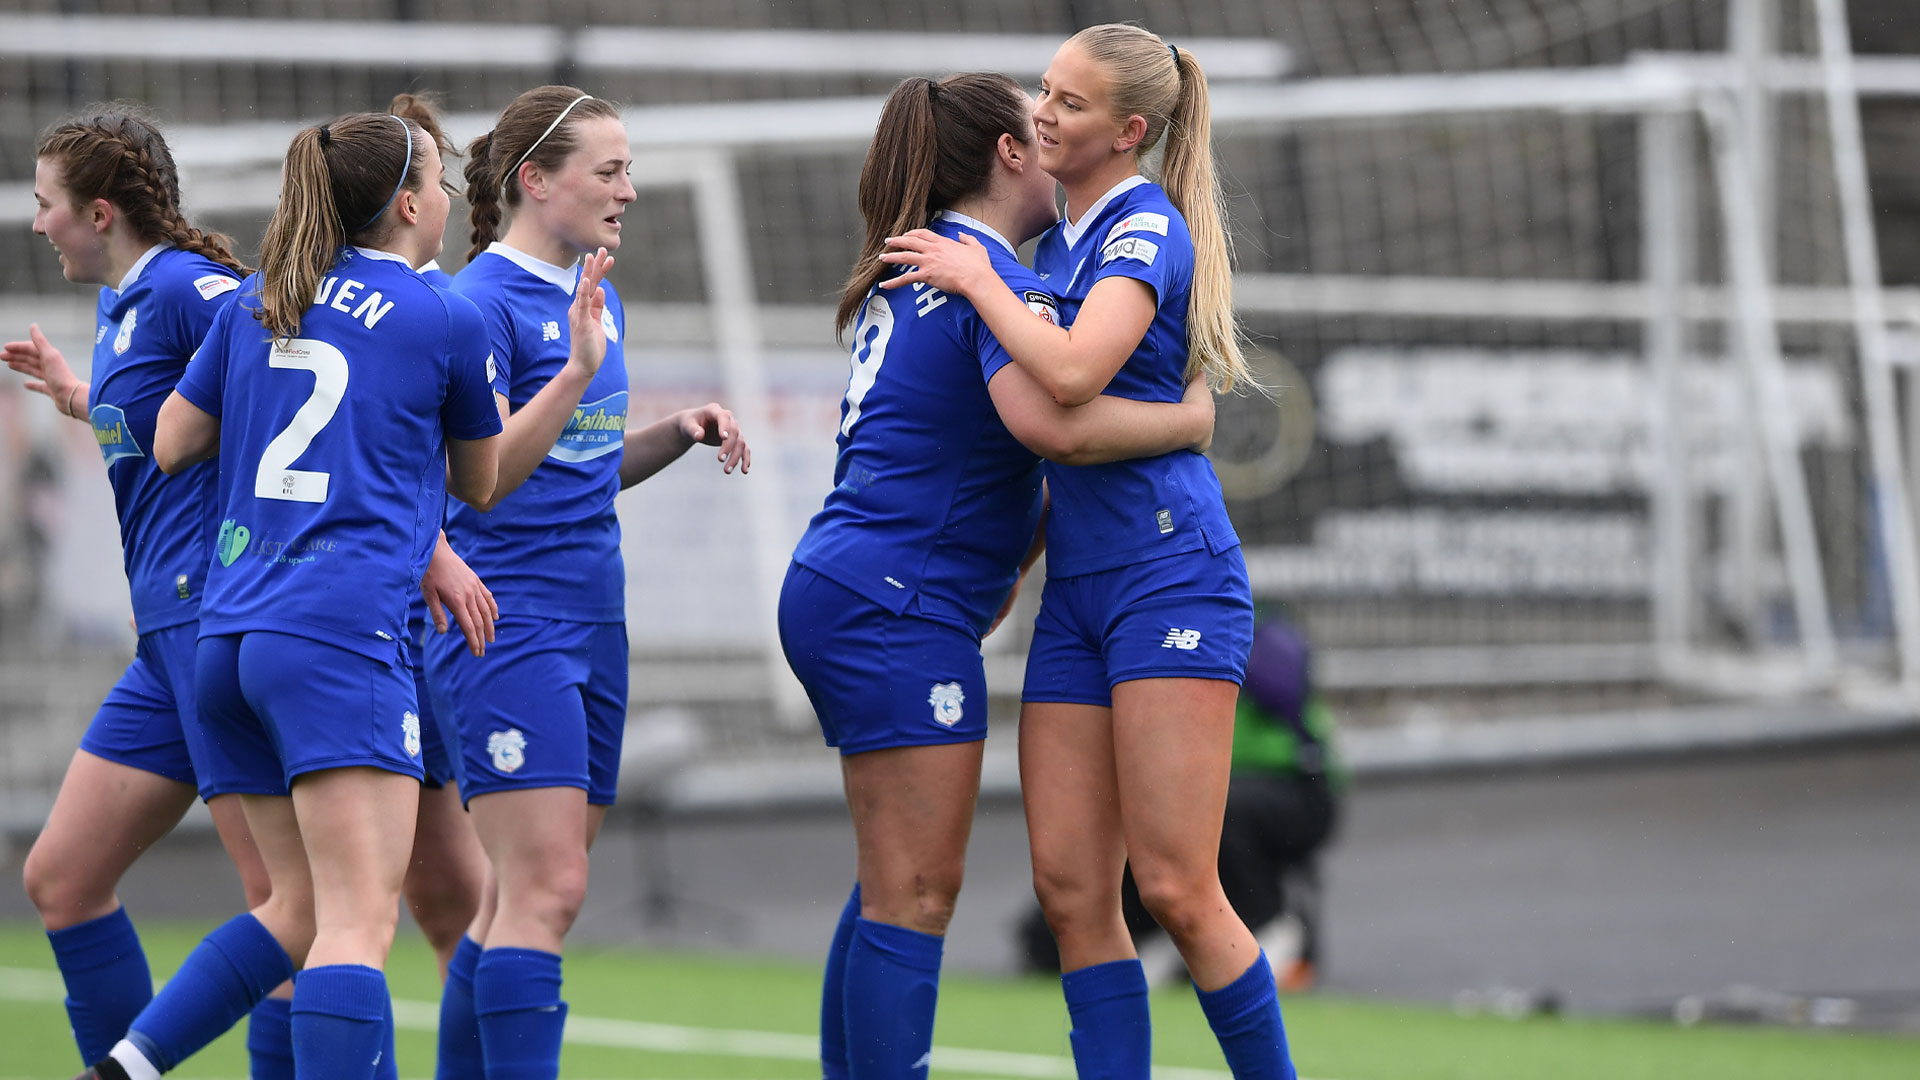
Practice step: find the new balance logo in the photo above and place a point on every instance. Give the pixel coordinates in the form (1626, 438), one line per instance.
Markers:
(550, 330)
(1187, 640)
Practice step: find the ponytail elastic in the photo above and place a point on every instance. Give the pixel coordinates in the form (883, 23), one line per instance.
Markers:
(405, 168)
(508, 175)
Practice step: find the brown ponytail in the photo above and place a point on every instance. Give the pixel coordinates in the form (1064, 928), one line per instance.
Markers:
(933, 147)
(339, 180)
(112, 152)
(516, 139)
(1167, 88)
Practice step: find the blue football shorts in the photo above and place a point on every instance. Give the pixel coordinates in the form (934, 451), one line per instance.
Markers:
(546, 707)
(1186, 616)
(147, 719)
(277, 706)
(434, 762)
(879, 680)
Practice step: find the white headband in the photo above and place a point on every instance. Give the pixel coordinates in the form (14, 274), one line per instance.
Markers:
(508, 177)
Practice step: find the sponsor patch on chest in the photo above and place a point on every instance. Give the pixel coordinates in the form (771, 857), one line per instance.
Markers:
(1144, 221)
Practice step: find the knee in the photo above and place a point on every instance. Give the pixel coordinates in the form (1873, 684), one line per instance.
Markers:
(1181, 899)
(444, 908)
(289, 918)
(551, 893)
(924, 902)
(1074, 904)
(60, 893)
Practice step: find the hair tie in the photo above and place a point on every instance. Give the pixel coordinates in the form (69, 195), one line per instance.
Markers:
(1175, 50)
(507, 176)
(933, 90)
(405, 168)
(326, 136)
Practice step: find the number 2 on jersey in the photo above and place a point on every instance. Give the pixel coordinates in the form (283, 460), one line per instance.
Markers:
(871, 332)
(276, 478)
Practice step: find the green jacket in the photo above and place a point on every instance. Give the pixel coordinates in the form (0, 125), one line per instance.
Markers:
(1263, 743)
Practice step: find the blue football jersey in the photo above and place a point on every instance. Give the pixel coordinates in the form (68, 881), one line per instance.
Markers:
(552, 548)
(146, 332)
(417, 613)
(435, 276)
(1125, 512)
(332, 445)
(934, 501)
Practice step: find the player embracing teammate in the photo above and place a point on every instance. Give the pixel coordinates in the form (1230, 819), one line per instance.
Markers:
(1126, 729)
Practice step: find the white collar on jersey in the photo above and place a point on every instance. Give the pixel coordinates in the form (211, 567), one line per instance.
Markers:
(1072, 231)
(139, 264)
(383, 256)
(430, 264)
(560, 277)
(976, 225)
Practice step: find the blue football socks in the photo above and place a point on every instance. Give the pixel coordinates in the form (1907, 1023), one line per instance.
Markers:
(388, 1067)
(270, 1040)
(107, 979)
(516, 994)
(833, 995)
(459, 1057)
(1112, 1028)
(232, 970)
(893, 983)
(1245, 1016)
(340, 1027)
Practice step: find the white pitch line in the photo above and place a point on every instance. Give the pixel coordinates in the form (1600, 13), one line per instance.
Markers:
(38, 985)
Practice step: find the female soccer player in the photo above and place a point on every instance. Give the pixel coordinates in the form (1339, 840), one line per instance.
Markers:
(1127, 724)
(538, 722)
(920, 542)
(109, 202)
(448, 869)
(338, 391)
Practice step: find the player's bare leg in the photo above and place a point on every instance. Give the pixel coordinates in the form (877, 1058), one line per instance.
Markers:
(912, 811)
(447, 873)
(1072, 799)
(1173, 747)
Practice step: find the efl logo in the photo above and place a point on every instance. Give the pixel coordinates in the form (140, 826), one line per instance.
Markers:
(1184, 640)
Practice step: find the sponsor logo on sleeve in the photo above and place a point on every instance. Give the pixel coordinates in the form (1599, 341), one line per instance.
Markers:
(1140, 222)
(111, 431)
(596, 428)
(1138, 248)
(214, 285)
(606, 324)
(493, 369)
(1043, 305)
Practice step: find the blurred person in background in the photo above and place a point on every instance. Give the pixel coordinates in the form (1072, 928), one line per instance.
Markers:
(302, 667)
(535, 728)
(109, 202)
(1283, 803)
(936, 499)
(1126, 728)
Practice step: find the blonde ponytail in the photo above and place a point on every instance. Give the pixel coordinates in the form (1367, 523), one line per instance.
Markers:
(1166, 87)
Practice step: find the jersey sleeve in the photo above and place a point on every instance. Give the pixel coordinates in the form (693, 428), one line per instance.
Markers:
(1026, 286)
(1145, 245)
(497, 326)
(204, 381)
(469, 411)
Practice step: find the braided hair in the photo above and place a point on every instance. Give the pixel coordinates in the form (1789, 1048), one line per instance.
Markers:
(112, 152)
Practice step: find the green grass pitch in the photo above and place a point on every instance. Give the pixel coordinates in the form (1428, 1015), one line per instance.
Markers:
(638, 1014)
